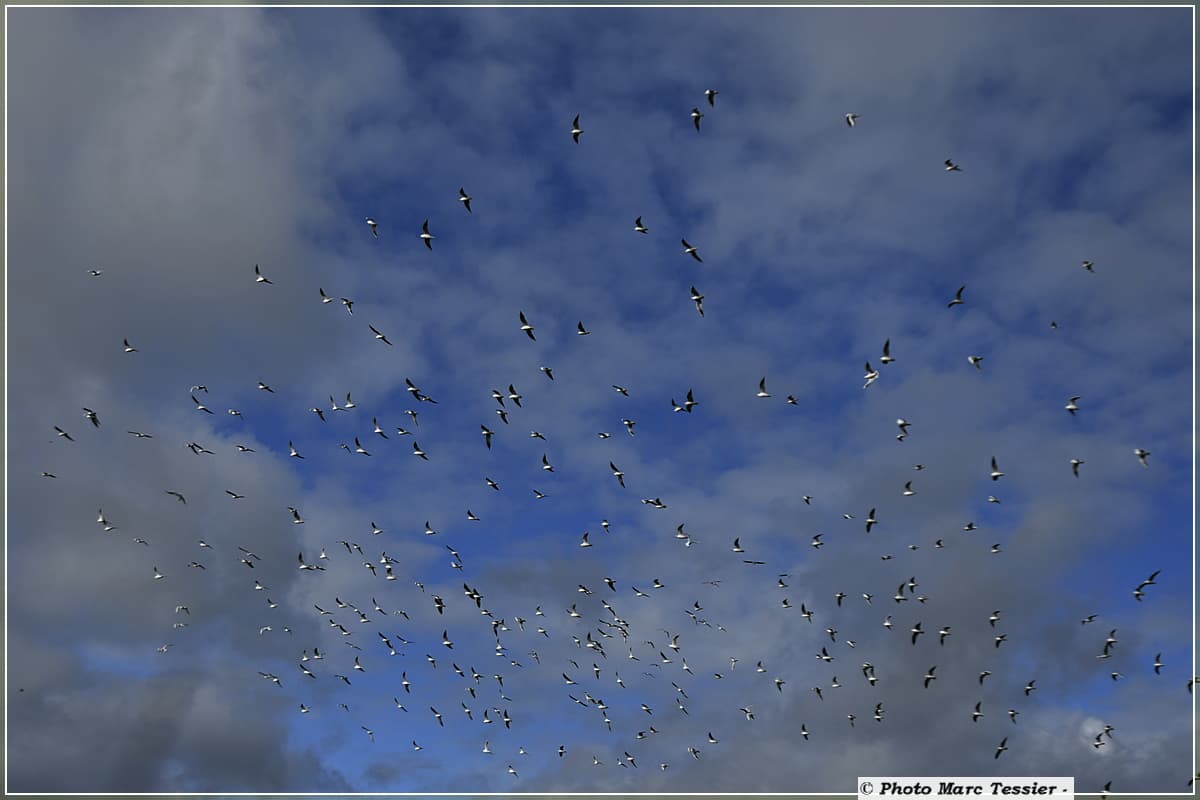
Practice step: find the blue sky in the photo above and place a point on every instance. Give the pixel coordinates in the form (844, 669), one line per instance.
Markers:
(176, 149)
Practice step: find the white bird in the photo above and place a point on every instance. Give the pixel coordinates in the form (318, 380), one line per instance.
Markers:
(887, 353)
(691, 251)
(1142, 455)
(373, 225)
(696, 115)
(698, 299)
(974, 361)
(292, 452)
(996, 474)
(526, 327)
(324, 297)
(870, 376)
(575, 131)
(952, 167)
(379, 335)
(128, 347)
(1088, 265)
(1070, 406)
(850, 118)
(258, 276)
(464, 198)
(639, 227)
(95, 273)
(762, 388)
(426, 236)
(1075, 462)
(710, 95)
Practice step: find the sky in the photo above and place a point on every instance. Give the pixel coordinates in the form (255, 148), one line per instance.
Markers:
(172, 150)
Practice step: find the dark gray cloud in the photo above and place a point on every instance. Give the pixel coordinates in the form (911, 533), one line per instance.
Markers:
(176, 149)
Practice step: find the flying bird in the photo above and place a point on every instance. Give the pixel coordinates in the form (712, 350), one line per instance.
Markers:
(425, 235)
(575, 129)
(464, 198)
(691, 251)
(526, 327)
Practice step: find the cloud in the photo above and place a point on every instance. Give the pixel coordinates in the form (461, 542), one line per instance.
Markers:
(177, 155)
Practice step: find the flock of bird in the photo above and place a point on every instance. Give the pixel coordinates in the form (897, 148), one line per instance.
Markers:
(357, 642)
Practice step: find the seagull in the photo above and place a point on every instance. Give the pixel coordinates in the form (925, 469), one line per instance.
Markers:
(929, 676)
(1088, 265)
(1142, 455)
(974, 361)
(379, 335)
(696, 115)
(200, 406)
(292, 453)
(358, 448)
(91, 417)
(691, 251)
(711, 94)
(372, 224)
(870, 376)
(425, 235)
(887, 353)
(128, 347)
(526, 327)
(177, 496)
(1158, 665)
(1071, 407)
(952, 167)
(762, 388)
(549, 372)
(976, 714)
(850, 118)
(698, 299)
(639, 227)
(581, 331)
(1002, 746)
(324, 297)
(870, 521)
(487, 436)
(1075, 462)
(620, 476)
(258, 276)
(464, 198)
(575, 131)
(908, 490)
(95, 273)
(418, 452)
(996, 474)
(957, 301)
